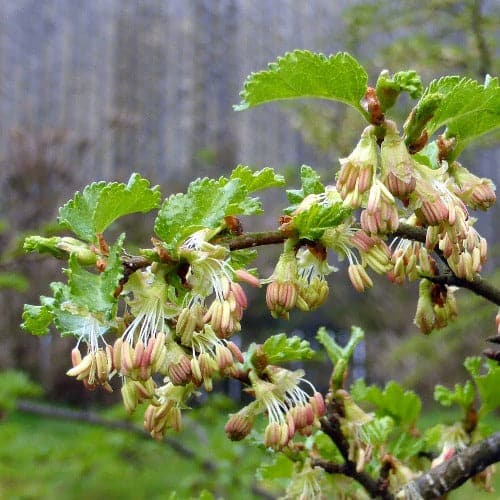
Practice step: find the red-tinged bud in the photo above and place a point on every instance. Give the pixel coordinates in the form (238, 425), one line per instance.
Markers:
(272, 435)
(359, 277)
(239, 295)
(76, 357)
(180, 372)
(248, 278)
(281, 297)
(235, 350)
(238, 426)
(223, 357)
(318, 404)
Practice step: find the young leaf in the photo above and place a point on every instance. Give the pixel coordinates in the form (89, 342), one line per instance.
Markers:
(118, 199)
(280, 348)
(95, 292)
(100, 204)
(305, 74)
(313, 222)
(255, 181)
(487, 387)
(311, 184)
(279, 467)
(462, 395)
(78, 213)
(468, 109)
(205, 205)
(37, 319)
(335, 351)
(389, 88)
(402, 406)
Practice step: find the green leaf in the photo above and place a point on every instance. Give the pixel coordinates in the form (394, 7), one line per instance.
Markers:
(462, 395)
(280, 348)
(468, 109)
(118, 199)
(311, 184)
(487, 387)
(305, 74)
(205, 205)
(95, 292)
(402, 406)
(389, 88)
(313, 222)
(78, 213)
(405, 446)
(37, 319)
(335, 351)
(100, 204)
(323, 444)
(255, 181)
(376, 431)
(240, 259)
(279, 467)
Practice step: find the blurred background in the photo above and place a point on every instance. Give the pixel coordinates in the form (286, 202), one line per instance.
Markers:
(99, 89)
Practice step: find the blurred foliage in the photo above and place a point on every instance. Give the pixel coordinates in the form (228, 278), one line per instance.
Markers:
(43, 458)
(14, 385)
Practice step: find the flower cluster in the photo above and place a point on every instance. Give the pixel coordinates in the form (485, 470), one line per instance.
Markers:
(289, 408)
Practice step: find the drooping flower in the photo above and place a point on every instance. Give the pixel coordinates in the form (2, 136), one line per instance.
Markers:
(358, 169)
(312, 285)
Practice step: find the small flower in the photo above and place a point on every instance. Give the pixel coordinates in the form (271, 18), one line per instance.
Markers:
(149, 305)
(95, 368)
(358, 169)
(381, 215)
(289, 408)
(397, 171)
(478, 193)
(436, 306)
(282, 291)
(165, 411)
(312, 286)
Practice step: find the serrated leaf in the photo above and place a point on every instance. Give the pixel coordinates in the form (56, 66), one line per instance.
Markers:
(376, 431)
(79, 323)
(37, 319)
(255, 181)
(280, 348)
(279, 467)
(78, 213)
(205, 205)
(311, 184)
(311, 224)
(100, 204)
(240, 259)
(473, 365)
(301, 74)
(405, 446)
(462, 395)
(402, 406)
(389, 88)
(468, 109)
(487, 387)
(118, 199)
(95, 292)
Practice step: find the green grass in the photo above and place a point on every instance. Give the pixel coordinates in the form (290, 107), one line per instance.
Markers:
(42, 459)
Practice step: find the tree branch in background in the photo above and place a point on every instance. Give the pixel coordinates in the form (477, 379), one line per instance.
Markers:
(95, 419)
(454, 472)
